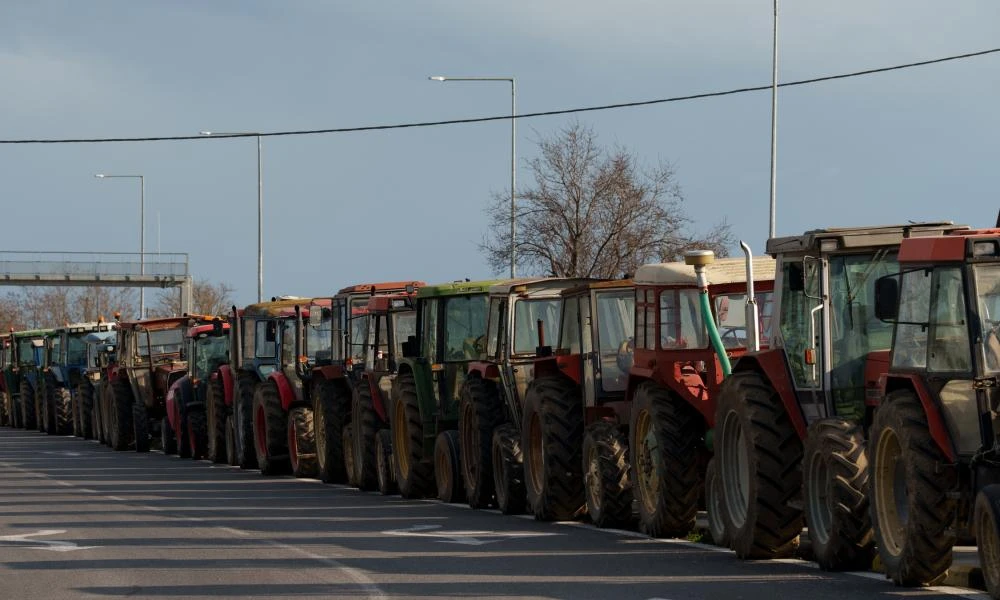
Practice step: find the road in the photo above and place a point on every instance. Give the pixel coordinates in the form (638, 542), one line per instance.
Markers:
(80, 521)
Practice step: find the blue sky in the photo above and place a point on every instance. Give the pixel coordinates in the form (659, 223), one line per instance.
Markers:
(345, 208)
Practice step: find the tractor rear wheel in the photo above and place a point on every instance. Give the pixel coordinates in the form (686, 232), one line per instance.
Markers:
(74, 411)
(383, 458)
(27, 402)
(414, 471)
(15, 418)
(301, 442)
(347, 439)
(552, 443)
(197, 434)
(835, 473)
(666, 443)
(760, 455)
(140, 426)
(479, 414)
(508, 470)
(246, 455)
(987, 526)
(606, 475)
(270, 429)
(120, 415)
(231, 441)
(62, 411)
(4, 410)
(85, 401)
(329, 408)
(448, 467)
(168, 440)
(911, 508)
(366, 423)
(41, 407)
(715, 506)
(215, 416)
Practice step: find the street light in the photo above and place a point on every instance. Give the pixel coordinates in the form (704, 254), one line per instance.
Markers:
(513, 153)
(142, 232)
(260, 208)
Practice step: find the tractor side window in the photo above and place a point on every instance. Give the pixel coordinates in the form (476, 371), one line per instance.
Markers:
(909, 350)
(465, 327)
(249, 335)
(358, 325)
(288, 357)
(55, 354)
(988, 291)
(496, 322)
(319, 339)
(430, 333)
(796, 318)
(263, 342)
(730, 318)
(527, 314)
(615, 315)
(76, 351)
(404, 325)
(569, 332)
(681, 325)
(949, 331)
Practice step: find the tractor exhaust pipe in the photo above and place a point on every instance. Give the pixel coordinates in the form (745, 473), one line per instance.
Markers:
(752, 316)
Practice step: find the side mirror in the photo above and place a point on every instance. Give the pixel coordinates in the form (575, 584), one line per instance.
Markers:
(887, 298)
(796, 277)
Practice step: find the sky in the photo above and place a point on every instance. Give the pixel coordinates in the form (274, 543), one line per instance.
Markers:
(339, 209)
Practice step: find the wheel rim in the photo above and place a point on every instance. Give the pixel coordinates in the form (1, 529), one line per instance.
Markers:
(261, 431)
(536, 454)
(735, 470)
(593, 481)
(890, 491)
(989, 547)
(647, 459)
(399, 441)
(470, 441)
(819, 498)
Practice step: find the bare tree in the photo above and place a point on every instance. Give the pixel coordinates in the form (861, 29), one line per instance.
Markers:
(206, 299)
(594, 213)
(44, 307)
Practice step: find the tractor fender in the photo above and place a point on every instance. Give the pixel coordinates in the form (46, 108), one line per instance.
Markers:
(285, 391)
(226, 373)
(422, 377)
(773, 365)
(178, 396)
(378, 402)
(485, 369)
(876, 368)
(935, 421)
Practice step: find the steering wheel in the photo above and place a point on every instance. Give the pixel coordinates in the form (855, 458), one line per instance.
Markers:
(733, 334)
(626, 355)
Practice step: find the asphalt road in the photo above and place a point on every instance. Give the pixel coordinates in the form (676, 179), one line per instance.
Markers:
(80, 521)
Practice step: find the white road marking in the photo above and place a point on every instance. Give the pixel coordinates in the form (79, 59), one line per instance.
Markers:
(466, 538)
(53, 545)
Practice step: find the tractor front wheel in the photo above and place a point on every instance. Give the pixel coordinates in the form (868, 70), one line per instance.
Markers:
(508, 470)
(552, 442)
(140, 426)
(27, 402)
(606, 475)
(329, 410)
(836, 502)
(759, 455)
(231, 459)
(62, 411)
(479, 414)
(448, 467)
(347, 439)
(301, 442)
(216, 414)
(987, 525)
(414, 471)
(85, 402)
(270, 428)
(168, 441)
(246, 455)
(911, 507)
(366, 424)
(383, 458)
(120, 414)
(197, 434)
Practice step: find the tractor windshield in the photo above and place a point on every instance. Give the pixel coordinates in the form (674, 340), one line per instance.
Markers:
(680, 320)
(465, 327)
(160, 342)
(730, 317)
(615, 322)
(319, 337)
(26, 352)
(527, 314)
(988, 294)
(404, 325)
(211, 352)
(358, 327)
(76, 350)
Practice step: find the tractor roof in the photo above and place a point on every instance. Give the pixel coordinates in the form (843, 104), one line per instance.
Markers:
(720, 272)
(165, 322)
(205, 328)
(610, 284)
(385, 286)
(847, 238)
(31, 333)
(86, 327)
(101, 337)
(387, 302)
(274, 308)
(540, 287)
(954, 246)
(456, 288)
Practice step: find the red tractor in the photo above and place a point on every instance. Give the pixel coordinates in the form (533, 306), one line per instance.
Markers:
(790, 421)
(935, 441)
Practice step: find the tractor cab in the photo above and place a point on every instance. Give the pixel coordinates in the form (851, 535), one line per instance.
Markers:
(27, 357)
(206, 348)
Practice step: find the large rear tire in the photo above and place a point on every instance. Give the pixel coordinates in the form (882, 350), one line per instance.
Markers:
(85, 400)
(606, 475)
(347, 441)
(987, 524)
(552, 443)
(120, 415)
(246, 455)
(667, 440)
(197, 434)
(27, 401)
(448, 467)
(383, 456)
(508, 470)
(270, 428)
(168, 439)
(414, 471)
(365, 423)
(216, 413)
(479, 414)
(61, 402)
(835, 473)
(231, 459)
(760, 456)
(329, 412)
(301, 442)
(140, 426)
(911, 508)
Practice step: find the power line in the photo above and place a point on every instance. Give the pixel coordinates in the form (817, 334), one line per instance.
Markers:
(548, 113)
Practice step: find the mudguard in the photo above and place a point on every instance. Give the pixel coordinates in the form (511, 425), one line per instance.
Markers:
(772, 364)
(935, 420)
(378, 403)
(226, 373)
(421, 371)
(176, 402)
(285, 391)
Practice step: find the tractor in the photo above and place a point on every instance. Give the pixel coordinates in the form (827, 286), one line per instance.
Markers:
(335, 338)
(184, 428)
(149, 362)
(935, 442)
(392, 322)
(64, 362)
(6, 395)
(92, 390)
(500, 414)
(791, 420)
(22, 374)
(424, 400)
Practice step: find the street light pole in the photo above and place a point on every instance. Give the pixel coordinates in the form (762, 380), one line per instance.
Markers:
(513, 157)
(774, 122)
(142, 232)
(260, 206)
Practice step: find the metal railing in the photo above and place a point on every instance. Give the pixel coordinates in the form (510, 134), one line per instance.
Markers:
(99, 265)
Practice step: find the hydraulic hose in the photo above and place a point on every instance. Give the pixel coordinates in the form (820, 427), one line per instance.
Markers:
(713, 332)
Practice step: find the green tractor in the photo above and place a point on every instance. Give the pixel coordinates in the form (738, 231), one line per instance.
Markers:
(21, 374)
(425, 396)
(6, 395)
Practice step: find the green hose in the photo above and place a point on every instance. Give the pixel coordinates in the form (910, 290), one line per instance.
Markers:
(713, 333)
